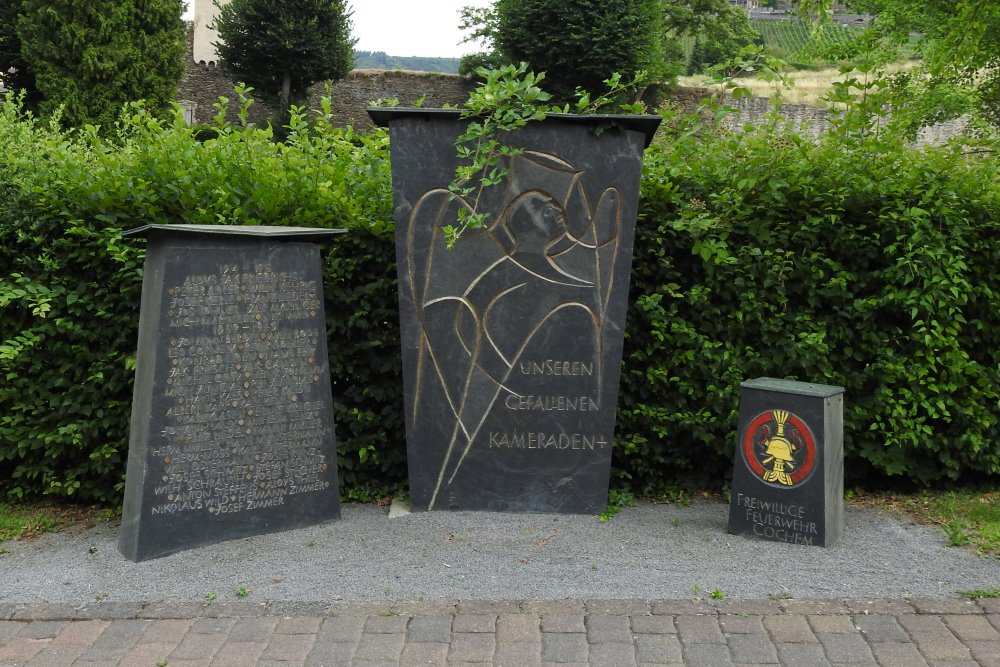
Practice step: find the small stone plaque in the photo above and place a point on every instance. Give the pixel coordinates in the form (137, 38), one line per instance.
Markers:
(232, 428)
(788, 474)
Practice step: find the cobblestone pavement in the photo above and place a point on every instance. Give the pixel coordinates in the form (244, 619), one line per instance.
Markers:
(905, 632)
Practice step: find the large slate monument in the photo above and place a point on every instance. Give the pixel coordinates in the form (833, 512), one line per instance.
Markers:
(232, 417)
(512, 340)
(788, 476)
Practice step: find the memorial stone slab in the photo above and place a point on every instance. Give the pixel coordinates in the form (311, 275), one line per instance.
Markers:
(512, 340)
(788, 473)
(232, 430)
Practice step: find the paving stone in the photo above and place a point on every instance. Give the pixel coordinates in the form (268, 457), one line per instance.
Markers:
(893, 607)
(213, 626)
(8, 609)
(608, 629)
(431, 629)
(617, 607)
(198, 647)
(474, 623)
(395, 625)
(748, 607)
(147, 654)
(613, 654)
(519, 628)
(42, 629)
(933, 638)
(845, 648)
(56, 656)
(282, 608)
(699, 630)
(288, 647)
(563, 664)
(471, 646)
(239, 609)
(562, 623)
(802, 654)
(10, 628)
(341, 609)
(706, 655)
(657, 649)
(165, 610)
(986, 654)
(120, 634)
(22, 649)
(107, 611)
(381, 647)
(252, 629)
(345, 629)
(564, 647)
(813, 607)
(488, 607)
(752, 648)
(653, 625)
(299, 625)
(554, 607)
(165, 631)
(897, 654)
(831, 623)
(793, 629)
(681, 607)
(989, 605)
(518, 654)
(425, 608)
(325, 655)
(44, 612)
(881, 628)
(945, 606)
(954, 663)
(424, 653)
(971, 628)
(741, 625)
(238, 653)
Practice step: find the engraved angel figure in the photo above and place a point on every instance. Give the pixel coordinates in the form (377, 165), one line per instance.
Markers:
(550, 248)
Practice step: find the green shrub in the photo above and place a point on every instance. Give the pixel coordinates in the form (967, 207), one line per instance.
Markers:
(854, 260)
(69, 286)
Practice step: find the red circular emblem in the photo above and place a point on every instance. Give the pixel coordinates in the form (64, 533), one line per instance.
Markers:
(779, 449)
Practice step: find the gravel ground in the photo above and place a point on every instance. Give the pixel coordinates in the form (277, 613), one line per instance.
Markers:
(649, 551)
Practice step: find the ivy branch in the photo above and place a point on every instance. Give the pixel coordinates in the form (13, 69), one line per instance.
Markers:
(508, 99)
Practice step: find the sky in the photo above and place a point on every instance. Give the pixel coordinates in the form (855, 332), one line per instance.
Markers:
(406, 27)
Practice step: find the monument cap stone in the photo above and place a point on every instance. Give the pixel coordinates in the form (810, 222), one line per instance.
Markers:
(232, 430)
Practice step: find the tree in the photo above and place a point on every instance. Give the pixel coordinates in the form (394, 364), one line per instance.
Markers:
(959, 41)
(722, 38)
(281, 47)
(91, 58)
(577, 43)
(14, 71)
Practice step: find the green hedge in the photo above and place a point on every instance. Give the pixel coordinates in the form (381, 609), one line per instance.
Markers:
(69, 285)
(853, 260)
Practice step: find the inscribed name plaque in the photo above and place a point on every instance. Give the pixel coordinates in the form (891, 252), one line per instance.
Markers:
(512, 340)
(788, 476)
(232, 416)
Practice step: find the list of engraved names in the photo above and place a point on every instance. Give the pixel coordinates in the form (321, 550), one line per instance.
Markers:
(243, 427)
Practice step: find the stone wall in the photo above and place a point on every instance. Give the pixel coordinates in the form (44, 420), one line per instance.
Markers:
(203, 84)
(351, 96)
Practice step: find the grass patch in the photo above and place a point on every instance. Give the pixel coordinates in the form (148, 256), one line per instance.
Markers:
(808, 86)
(965, 517)
(29, 520)
(981, 593)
